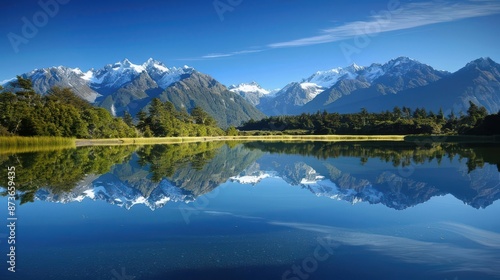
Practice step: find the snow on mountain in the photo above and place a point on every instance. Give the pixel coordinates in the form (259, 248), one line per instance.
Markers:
(44, 79)
(373, 72)
(119, 73)
(291, 98)
(399, 66)
(327, 79)
(7, 81)
(111, 76)
(117, 193)
(173, 75)
(329, 189)
(311, 89)
(152, 65)
(253, 178)
(252, 87)
(252, 92)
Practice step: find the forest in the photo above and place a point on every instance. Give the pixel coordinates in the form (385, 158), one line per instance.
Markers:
(62, 113)
(399, 121)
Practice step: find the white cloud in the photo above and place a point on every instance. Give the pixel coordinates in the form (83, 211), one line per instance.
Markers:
(405, 17)
(217, 55)
(482, 259)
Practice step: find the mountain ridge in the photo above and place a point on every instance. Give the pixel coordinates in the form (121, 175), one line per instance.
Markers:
(380, 87)
(402, 81)
(124, 86)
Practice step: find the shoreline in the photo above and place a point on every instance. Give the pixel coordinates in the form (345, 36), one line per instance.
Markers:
(288, 138)
(177, 140)
(34, 143)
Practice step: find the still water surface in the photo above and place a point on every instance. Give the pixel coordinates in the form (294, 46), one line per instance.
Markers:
(256, 211)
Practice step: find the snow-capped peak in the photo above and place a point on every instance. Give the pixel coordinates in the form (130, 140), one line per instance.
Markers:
(354, 68)
(118, 193)
(252, 179)
(151, 64)
(401, 61)
(126, 64)
(119, 73)
(328, 78)
(399, 66)
(251, 87)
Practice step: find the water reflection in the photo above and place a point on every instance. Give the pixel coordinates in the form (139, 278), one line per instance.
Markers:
(397, 175)
(444, 257)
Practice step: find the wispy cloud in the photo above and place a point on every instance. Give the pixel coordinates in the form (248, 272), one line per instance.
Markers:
(482, 259)
(406, 17)
(217, 55)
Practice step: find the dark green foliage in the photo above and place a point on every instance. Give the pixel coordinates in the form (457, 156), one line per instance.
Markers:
(164, 160)
(400, 154)
(165, 121)
(398, 122)
(232, 131)
(197, 168)
(67, 97)
(202, 117)
(127, 118)
(490, 125)
(60, 171)
(59, 113)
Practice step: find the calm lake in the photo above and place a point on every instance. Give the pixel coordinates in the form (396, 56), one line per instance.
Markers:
(255, 210)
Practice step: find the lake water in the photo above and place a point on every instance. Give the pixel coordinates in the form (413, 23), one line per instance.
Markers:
(255, 211)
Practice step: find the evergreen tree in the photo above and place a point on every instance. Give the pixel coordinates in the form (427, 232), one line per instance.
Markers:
(59, 113)
(127, 118)
(67, 97)
(397, 112)
(475, 113)
(202, 117)
(441, 114)
(232, 131)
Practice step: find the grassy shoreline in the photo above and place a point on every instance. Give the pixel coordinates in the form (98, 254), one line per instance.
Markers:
(9, 144)
(173, 140)
(26, 144)
(285, 138)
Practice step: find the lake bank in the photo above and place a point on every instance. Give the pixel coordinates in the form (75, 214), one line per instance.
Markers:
(319, 138)
(27, 144)
(173, 140)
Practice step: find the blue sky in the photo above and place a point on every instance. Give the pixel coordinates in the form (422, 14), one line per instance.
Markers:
(271, 42)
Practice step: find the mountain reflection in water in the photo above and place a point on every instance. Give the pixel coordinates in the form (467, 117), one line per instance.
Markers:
(397, 175)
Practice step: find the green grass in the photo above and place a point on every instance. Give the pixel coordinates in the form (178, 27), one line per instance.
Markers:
(172, 140)
(18, 144)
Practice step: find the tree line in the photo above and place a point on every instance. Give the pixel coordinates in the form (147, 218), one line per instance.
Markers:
(163, 120)
(398, 121)
(60, 171)
(62, 113)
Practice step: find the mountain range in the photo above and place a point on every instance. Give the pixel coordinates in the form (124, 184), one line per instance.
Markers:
(124, 86)
(399, 82)
(129, 183)
(253, 92)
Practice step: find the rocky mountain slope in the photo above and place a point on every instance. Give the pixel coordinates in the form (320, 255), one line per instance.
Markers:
(124, 86)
